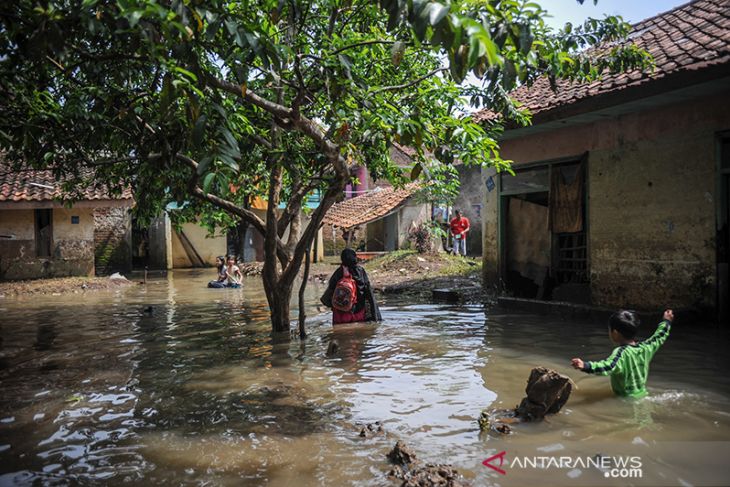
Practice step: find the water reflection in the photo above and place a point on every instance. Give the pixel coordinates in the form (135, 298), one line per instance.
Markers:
(176, 383)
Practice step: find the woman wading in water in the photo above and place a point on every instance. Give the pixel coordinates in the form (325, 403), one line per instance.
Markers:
(349, 293)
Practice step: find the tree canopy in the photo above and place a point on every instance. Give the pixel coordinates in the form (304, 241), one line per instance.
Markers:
(213, 103)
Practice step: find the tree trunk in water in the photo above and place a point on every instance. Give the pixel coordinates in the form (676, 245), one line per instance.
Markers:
(302, 287)
(279, 305)
(278, 300)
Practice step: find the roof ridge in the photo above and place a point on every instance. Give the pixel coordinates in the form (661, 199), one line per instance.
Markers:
(690, 37)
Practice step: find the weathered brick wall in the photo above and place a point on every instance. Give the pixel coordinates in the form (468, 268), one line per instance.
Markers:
(651, 201)
(112, 240)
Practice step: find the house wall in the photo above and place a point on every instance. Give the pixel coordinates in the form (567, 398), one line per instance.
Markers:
(470, 202)
(112, 240)
(208, 248)
(72, 245)
(651, 201)
(160, 246)
(411, 214)
(490, 228)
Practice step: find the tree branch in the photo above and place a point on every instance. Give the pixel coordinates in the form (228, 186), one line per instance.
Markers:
(221, 203)
(409, 84)
(359, 44)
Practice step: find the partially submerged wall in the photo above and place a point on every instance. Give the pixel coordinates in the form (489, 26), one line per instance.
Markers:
(112, 240)
(651, 201)
(72, 244)
(193, 244)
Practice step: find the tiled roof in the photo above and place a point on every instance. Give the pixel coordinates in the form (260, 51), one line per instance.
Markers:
(401, 156)
(368, 207)
(689, 38)
(34, 185)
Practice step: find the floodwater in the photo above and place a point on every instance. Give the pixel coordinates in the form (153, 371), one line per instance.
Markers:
(100, 389)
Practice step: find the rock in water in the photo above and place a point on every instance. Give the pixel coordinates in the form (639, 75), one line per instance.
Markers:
(412, 474)
(402, 455)
(547, 392)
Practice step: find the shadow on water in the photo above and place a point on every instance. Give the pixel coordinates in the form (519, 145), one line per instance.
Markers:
(174, 383)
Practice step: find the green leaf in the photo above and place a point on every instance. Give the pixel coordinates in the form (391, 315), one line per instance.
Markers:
(185, 72)
(346, 63)
(229, 161)
(199, 130)
(231, 140)
(208, 181)
(476, 50)
(438, 12)
(204, 164)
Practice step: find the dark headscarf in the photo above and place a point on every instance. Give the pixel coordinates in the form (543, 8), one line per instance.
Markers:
(365, 297)
(349, 258)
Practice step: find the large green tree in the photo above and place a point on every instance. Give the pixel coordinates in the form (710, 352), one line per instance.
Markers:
(213, 103)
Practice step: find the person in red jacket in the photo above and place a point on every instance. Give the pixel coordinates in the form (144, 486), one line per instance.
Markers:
(459, 228)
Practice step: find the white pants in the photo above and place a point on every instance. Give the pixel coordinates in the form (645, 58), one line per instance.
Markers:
(459, 245)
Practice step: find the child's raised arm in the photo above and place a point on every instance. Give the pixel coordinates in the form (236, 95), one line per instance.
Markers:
(661, 334)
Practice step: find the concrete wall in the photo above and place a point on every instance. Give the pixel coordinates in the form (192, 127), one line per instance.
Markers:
(411, 214)
(160, 248)
(470, 202)
(207, 247)
(72, 251)
(651, 201)
(490, 226)
(112, 240)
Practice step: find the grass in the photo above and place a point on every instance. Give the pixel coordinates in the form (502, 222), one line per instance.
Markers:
(439, 264)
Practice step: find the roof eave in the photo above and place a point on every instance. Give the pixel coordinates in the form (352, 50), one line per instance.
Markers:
(665, 84)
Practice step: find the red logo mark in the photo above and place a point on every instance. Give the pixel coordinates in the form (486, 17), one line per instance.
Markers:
(488, 462)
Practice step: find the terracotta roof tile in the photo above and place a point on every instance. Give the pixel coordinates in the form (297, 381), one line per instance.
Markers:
(691, 37)
(35, 185)
(368, 207)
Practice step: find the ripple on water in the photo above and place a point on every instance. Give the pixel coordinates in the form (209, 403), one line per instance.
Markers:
(198, 392)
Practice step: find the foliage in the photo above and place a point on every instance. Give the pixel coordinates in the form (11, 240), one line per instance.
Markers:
(420, 236)
(215, 104)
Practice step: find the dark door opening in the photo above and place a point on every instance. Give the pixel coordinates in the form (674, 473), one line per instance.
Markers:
(723, 235)
(140, 245)
(43, 232)
(544, 240)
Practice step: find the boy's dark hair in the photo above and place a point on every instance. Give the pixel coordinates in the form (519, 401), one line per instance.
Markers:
(625, 322)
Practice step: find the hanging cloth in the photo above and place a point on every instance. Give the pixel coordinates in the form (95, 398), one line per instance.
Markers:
(566, 201)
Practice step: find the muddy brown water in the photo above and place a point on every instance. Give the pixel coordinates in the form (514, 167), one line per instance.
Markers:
(97, 390)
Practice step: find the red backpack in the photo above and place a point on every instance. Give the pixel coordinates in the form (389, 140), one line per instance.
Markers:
(345, 295)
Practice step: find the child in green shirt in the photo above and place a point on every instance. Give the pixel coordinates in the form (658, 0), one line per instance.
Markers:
(628, 364)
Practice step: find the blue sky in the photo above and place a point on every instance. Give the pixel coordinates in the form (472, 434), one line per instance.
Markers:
(631, 10)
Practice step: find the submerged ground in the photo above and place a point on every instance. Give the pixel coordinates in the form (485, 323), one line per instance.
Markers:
(173, 383)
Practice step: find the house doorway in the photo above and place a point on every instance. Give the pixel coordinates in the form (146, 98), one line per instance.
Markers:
(544, 245)
(43, 232)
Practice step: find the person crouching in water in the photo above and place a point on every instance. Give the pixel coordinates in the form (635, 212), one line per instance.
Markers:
(349, 293)
(220, 263)
(628, 364)
(233, 273)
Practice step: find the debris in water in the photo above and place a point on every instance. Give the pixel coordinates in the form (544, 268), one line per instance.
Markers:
(332, 348)
(371, 429)
(547, 392)
(412, 474)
